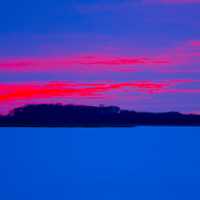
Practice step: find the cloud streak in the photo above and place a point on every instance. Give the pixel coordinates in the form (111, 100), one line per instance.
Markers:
(91, 62)
(65, 92)
(187, 52)
(10, 92)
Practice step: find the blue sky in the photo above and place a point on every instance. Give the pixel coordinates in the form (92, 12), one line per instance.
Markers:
(108, 35)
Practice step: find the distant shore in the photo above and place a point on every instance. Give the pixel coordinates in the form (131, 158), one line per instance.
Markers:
(57, 115)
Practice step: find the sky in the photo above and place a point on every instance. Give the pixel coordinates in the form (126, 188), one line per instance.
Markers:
(137, 54)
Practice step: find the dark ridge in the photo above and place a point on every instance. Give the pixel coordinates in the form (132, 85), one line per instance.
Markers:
(58, 115)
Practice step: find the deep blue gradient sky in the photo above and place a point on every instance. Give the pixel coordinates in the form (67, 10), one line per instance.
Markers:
(96, 42)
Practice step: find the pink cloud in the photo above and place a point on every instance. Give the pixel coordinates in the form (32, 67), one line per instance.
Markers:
(195, 43)
(184, 58)
(91, 62)
(19, 91)
(186, 53)
(16, 94)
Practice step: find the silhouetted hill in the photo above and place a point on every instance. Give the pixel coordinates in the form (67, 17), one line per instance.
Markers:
(57, 115)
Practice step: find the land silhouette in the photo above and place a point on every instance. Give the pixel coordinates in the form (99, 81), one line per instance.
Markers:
(58, 115)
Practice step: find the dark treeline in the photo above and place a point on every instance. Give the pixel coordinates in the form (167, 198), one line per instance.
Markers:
(57, 115)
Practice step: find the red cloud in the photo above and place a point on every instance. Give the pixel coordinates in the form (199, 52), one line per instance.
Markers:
(19, 94)
(185, 53)
(13, 92)
(16, 94)
(96, 63)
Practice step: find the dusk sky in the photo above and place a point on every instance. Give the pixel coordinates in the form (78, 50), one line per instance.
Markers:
(137, 54)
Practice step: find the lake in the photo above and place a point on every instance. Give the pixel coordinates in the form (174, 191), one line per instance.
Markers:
(143, 163)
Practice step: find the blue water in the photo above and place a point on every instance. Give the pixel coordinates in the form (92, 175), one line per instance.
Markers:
(100, 164)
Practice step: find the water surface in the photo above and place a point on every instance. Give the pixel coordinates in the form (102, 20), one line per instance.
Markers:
(158, 163)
